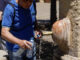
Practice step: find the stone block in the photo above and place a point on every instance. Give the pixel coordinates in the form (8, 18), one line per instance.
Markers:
(61, 33)
(71, 9)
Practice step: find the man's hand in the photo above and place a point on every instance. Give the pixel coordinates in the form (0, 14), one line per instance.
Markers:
(0, 15)
(25, 44)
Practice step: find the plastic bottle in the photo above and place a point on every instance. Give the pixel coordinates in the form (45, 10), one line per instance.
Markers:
(20, 51)
(30, 52)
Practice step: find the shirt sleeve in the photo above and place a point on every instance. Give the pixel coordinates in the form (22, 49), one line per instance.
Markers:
(7, 16)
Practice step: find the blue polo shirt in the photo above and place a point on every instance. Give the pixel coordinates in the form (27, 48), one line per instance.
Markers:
(21, 24)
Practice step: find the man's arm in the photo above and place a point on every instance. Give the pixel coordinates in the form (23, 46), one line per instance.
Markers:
(10, 38)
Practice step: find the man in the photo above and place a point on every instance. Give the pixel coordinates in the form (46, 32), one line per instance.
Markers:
(18, 27)
(3, 3)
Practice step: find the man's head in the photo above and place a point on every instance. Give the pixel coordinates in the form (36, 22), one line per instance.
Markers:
(25, 3)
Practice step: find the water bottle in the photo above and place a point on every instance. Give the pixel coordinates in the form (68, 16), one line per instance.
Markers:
(30, 52)
(20, 51)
